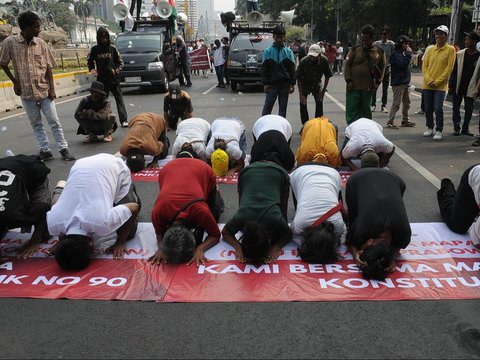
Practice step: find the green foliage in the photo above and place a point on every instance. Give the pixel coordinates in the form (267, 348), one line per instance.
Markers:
(294, 32)
(64, 17)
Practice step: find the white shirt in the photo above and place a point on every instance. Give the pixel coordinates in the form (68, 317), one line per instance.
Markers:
(218, 58)
(364, 133)
(194, 130)
(230, 130)
(272, 122)
(339, 53)
(474, 182)
(316, 189)
(86, 205)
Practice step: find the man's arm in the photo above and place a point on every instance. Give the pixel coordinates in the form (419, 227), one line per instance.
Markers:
(51, 88)
(118, 249)
(237, 166)
(118, 61)
(33, 244)
(385, 157)
(347, 162)
(232, 240)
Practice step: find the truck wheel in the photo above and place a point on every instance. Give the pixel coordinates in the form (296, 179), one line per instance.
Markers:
(163, 88)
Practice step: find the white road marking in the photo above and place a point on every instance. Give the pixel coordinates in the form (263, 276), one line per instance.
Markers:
(207, 91)
(402, 154)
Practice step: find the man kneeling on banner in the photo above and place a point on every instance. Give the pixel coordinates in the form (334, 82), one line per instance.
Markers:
(263, 190)
(364, 135)
(318, 227)
(188, 204)
(460, 208)
(378, 221)
(227, 147)
(98, 200)
(146, 136)
(192, 133)
(94, 115)
(25, 198)
(177, 104)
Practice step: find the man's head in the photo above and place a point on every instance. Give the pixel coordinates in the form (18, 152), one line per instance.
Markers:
(175, 92)
(97, 90)
(225, 40)
(135, 160)
(441, 35)
(187, 151)
(314, 50)
(278, 35)
(402, 43)
(367, 36)
(369, 159)
(29, 24)
(178, 245)
(471, 39)
(377, 256)
(219, 160)
(217, 43)
(319, 245)
(103, 37)
(255, 242)
(73, 252)
(385, 33)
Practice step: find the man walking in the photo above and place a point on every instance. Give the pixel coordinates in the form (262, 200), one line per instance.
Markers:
(108, 63)
(388, 47)
(462, 83)
(278, 73)
(32, 62)
(363, 73)
(436, 68)
(309, 76)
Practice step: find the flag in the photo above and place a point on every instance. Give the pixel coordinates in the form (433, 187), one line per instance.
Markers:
(174, 9)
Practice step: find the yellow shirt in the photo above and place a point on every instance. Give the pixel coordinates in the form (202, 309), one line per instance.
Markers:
(318, 137)
(437, 66)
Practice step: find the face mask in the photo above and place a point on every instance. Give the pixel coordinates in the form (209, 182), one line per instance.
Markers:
(175, 96)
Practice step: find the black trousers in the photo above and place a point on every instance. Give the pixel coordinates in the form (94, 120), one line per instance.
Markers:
(216, 205)
(385, 84)
(117, 94)
(304, 117)
(458, 208)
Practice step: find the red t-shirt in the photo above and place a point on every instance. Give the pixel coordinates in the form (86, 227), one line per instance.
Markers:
(181, 181)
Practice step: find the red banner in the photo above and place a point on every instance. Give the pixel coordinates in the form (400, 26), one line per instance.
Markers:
(200, 59)
(438, 264)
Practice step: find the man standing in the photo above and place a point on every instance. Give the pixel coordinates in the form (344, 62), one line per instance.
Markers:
(364, 68)
(309, 76)
(219, 61)
(339, 60)
(252, 5)
(184, 59)
(108, 62)
(436, 68)
(32, 62)
(278, 73)
(388, 47)
(462, 83)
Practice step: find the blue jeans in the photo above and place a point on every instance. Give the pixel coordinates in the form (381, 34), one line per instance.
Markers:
(271, 96)
(34, 110)
(434, 102)
(468, 105)
(219, 72)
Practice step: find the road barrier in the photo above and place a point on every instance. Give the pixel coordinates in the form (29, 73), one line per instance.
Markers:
(65, 84)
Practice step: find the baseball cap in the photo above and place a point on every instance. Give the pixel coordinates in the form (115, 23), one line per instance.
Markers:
(473, 35)
(219, 160)
(442, 28)
(370, 160)
(314, 50)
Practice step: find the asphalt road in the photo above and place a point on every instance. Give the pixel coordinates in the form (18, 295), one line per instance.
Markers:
(367, 329)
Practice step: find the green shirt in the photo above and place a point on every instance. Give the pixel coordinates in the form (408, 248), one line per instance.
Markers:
(263, 190)
(310, 71)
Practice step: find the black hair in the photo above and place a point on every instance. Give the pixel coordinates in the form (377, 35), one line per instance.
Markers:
(178, 244)
(378, 258)
(27, 19)
(368, 30)
(73, 252)
(278, 30)
(255, 242)
(319, 245)
(217, 42)
(220, 144)
(135, 160)
(402, 39)
(386, 29)
(187, 151)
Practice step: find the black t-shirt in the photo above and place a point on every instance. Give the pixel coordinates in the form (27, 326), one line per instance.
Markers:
(467, 73)
(375, 204)
(177, 106)
(273, 146)
(20, 176)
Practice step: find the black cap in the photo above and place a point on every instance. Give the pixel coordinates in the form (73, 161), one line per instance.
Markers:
(174, 89)
(97, 87)
(473, 35)
(403, 38)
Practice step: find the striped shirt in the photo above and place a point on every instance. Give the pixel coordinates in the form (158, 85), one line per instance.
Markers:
(30, 63)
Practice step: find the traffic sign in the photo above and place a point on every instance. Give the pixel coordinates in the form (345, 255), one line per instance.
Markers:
(476, 16)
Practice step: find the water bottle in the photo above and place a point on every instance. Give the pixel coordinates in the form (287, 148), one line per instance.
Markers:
(9, 153)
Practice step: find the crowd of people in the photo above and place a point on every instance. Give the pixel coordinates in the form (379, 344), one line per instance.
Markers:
(372, 221)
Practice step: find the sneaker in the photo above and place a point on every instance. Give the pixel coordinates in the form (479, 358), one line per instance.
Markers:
(476, 143)
(125, 124)
(408, 124)
(45, 155)
(428, 132)
(373, 107)
(66, 155)
(467, 132)
(188, 84)
(438, 136)
(384, 110)
(392, 126)
(445, 182)
(456, 133)
(61, 184)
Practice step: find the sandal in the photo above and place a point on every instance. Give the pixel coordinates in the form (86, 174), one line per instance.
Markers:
(107, 138)
(89, 139)
(408, 124)
(392, 126)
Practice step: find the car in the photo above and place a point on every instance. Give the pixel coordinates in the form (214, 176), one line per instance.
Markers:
(141, 52)
(244, 62)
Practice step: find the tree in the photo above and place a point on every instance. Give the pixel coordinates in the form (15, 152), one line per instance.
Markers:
(84, 9)
(64, 17)
(294, 32)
